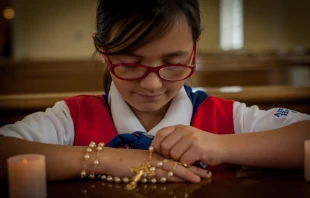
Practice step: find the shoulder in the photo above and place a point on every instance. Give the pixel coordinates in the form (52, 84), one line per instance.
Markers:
(87, 106)
(86, 100)
(196, 95)
(53, 126)
(199, 96)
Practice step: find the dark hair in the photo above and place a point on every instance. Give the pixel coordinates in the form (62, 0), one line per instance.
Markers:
(138, 22)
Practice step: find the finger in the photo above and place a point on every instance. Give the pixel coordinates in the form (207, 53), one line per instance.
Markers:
(190, 156)
(180, 172)
(160, 136)
(201, 172)
(186, 174)
(169, 142)
(180, 148)
(160, 173)
(163, 170)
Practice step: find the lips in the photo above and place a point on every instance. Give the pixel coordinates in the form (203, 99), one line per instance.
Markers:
(150, 97)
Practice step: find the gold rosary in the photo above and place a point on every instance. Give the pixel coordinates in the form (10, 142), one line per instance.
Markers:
(141, 173)
(145, 170)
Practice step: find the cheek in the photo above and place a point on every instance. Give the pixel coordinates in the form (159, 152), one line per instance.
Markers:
(174, 87)
(124, 87)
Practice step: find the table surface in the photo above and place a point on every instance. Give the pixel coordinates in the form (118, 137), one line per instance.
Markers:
(233, 183)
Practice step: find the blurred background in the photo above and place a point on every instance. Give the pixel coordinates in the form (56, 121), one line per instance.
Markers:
(254, 51)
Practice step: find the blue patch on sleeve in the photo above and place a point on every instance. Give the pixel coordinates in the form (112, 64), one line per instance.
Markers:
(283, 112)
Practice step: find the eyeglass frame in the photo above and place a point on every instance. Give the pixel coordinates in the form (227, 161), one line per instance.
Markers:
(152, 69)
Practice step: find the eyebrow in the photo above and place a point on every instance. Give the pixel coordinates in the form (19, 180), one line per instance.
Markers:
(168, 55)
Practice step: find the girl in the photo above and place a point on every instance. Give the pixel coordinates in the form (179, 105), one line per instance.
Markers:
(149, 48)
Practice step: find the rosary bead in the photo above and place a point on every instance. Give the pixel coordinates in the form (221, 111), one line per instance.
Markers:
(83, 174)
(117, 179)
(91, 176)
(160, 164)
(99, 148)
(103, 177)
(144, 180)
(170, 173)
(153, 180)
(109, 179)
(151, 148)
(152, 169)
(101, 144)
(92, 144)
(125, 180)
(96, 162)
(86, 156)
(163, 179)
(88, 150)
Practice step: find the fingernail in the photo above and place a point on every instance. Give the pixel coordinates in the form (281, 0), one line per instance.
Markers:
(209, 173)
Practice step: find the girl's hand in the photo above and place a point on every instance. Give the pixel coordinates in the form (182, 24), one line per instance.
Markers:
(188, 145)
(126, 158)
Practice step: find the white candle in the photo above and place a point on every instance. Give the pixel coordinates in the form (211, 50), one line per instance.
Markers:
(27, 176)
(307, 160)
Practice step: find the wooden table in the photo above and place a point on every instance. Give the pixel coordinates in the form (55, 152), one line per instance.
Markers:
(233, 183)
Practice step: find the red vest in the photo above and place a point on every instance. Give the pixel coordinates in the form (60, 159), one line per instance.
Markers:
(93, 121)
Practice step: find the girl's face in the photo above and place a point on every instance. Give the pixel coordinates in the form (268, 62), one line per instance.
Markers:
(153, 94)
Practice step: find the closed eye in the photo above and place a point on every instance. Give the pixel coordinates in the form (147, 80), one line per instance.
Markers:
(129, 67)
(169, 63)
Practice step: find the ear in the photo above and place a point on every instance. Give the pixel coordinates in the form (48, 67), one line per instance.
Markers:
(93, 35)
(103, 58)
(198, 40)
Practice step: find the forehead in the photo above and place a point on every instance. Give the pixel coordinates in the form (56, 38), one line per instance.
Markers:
(178, 37)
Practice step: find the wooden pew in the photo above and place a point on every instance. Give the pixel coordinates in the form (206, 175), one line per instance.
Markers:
(82, 76)
(50, 77)
(15, 107)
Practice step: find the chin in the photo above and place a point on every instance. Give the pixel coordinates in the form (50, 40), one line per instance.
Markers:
(148, 107)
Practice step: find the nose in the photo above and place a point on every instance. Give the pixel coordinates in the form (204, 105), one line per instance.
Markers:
(151, 82)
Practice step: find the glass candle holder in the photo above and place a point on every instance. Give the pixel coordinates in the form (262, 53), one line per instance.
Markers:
(307, 160)
(27, 176)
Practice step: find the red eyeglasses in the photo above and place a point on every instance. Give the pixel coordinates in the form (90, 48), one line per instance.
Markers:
(168, 72)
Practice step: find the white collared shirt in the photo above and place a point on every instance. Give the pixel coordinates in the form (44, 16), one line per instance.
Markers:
(55, 125)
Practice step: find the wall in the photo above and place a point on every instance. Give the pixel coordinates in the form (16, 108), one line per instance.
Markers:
(57, 29)
(280, 25)
(210, 39)
(54, 29)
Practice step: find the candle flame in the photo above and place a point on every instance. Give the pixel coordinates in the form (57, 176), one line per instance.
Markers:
(25, 161)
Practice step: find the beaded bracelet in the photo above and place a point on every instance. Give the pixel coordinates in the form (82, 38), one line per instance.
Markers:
(86, 158)
(96, 161)
(89, 150)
